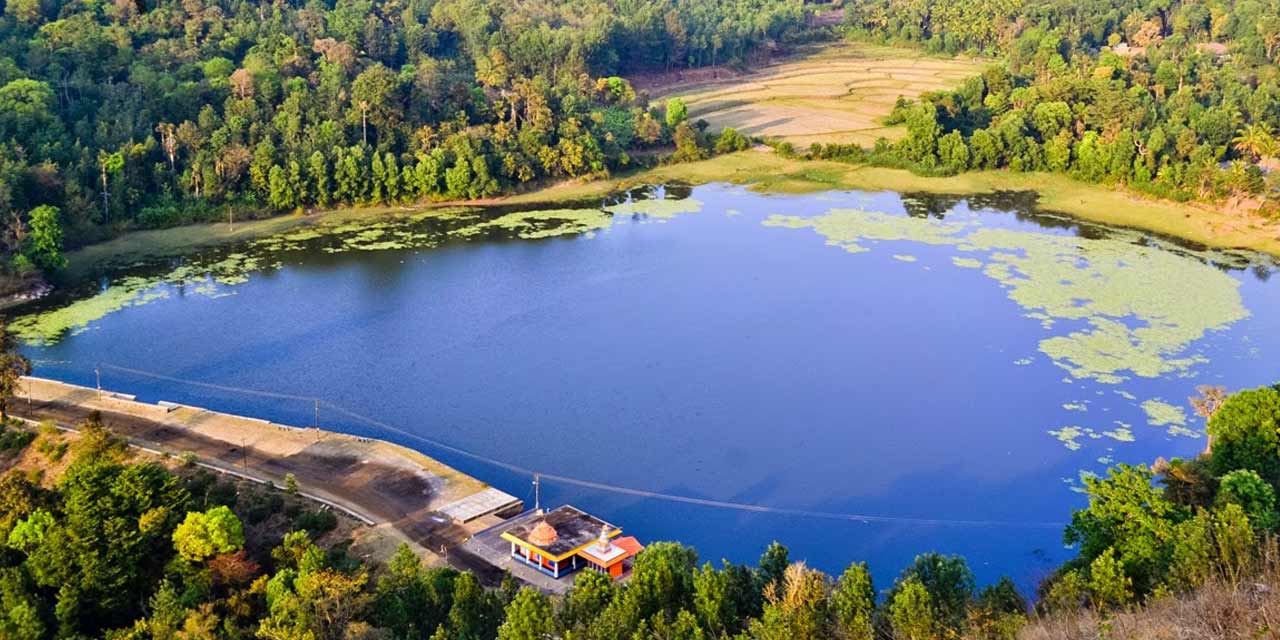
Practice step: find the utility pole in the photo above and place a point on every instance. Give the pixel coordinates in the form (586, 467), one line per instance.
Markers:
(98, 374)
(537, 493)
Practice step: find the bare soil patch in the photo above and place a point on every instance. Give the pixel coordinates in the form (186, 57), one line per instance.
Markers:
(838, 94)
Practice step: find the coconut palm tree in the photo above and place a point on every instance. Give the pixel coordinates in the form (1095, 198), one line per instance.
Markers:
(1255, 141)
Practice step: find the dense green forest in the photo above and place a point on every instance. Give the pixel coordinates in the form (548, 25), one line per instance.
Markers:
(1179, 99)
(159, 112)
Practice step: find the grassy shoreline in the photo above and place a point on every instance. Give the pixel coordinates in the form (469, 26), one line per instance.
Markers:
(768, 173)
(762, 171)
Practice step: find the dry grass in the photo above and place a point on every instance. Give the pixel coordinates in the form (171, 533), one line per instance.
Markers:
(1214, 612)
(1223, 609)
(836, 94)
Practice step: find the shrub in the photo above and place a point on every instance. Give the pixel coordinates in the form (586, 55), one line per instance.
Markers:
(316, 523)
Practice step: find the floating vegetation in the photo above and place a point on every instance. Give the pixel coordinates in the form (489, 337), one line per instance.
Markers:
(904, 258)
(967, 263)
(1076, 406)
(1069, 436)
(75, 318)
(1161, 413)
(654, 208)
(1141, 306)
(1125, 394)
(429, 228)
(1022, 362)
(1172, 417)
(1121, 433)
(532, 225)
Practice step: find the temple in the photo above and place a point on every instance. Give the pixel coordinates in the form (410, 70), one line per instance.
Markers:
(567, 539)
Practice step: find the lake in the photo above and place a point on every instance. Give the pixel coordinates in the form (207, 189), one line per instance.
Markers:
(889, 374)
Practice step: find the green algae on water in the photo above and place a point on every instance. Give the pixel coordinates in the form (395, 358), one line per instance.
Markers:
(903, 257)
(1069, 436)
(531, 225)
(1172, 417)
(656, 208)
(48, 326)
(1136, 309)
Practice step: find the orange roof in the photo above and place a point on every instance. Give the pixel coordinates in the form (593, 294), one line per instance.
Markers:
(629, 547)
(630, 544)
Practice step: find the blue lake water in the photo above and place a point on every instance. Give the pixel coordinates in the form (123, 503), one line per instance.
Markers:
(845, 353)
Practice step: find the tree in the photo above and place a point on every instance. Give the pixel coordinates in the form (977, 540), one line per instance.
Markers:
(1244, 434)
(730, 140)
(676, 112)
(281, 192)
(475, 614)
(773, 565)
(662, 578)
(1255, 497)
(204, 535)
(318, 172)
(921, 143)
(1255, 141)
(319, 604)
(1128, 518)
(411, 601)
(26, 105)
(29, 533)
(528, 617)
(712, 600)
(796, 607)
(377, 97)
(13, 366)
(1191, 561)
(1108, 584)
(950, 585)
(688, 143)
(45, 240)
(953, 152)
(911, 612)
(853, 603)
(109, 164)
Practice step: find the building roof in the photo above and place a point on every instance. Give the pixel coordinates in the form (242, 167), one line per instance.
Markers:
(618, 550)
(573, 530)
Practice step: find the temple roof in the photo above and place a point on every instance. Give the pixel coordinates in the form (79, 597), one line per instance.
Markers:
(619, 549)
(571, 528)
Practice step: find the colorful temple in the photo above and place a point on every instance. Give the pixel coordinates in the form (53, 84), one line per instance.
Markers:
(567, 539)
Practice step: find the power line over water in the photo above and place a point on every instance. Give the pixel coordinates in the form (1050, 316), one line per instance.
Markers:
(582, 482)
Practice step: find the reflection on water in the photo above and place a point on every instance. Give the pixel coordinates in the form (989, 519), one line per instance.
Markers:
(921, 356)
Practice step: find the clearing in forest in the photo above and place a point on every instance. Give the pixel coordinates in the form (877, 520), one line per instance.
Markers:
(838, 93)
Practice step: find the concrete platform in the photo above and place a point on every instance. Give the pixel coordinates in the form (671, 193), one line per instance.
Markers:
(482, 503)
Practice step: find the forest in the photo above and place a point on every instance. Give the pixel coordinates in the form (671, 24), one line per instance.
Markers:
(1178, 100)
(142, 114)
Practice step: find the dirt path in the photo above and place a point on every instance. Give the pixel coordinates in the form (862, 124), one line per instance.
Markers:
(384, 485)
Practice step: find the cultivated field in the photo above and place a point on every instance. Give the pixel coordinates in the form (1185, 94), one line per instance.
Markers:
(836, 94)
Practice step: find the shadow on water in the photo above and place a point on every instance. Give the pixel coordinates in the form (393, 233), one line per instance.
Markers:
(1025, 207)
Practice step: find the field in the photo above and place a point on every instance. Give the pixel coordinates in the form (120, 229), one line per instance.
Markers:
(834, 94)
